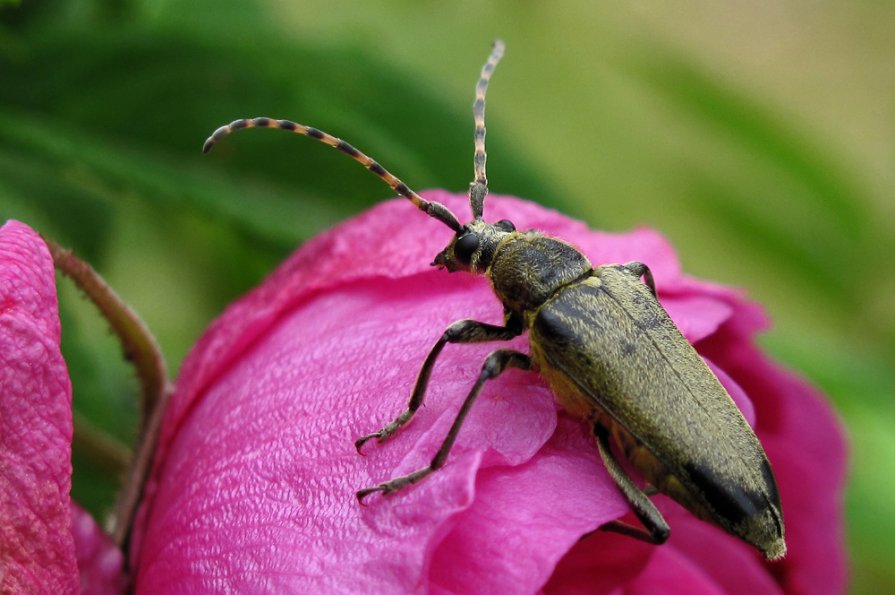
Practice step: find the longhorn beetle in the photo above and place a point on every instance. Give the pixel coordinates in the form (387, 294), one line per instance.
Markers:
(609, 352)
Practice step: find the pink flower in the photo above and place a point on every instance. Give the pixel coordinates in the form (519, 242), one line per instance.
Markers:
(45, 540)
(253, 487)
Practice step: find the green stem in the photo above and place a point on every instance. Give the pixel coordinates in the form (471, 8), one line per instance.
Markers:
(141, 349)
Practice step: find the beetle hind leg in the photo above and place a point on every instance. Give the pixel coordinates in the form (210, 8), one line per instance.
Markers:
(638, 269)
(493, 367)
(656, 529)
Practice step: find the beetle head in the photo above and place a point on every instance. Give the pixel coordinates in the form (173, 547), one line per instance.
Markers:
(473, 246)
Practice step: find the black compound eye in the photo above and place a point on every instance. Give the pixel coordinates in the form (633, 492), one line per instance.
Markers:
(465, 247)
(505, 225)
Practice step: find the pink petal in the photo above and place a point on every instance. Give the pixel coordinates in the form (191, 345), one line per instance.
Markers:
(253, 485)
(806, 446)
(749, 317)
(697, 316)
(294, 372)
(100, 562)
(735, 391)
(602, 563)
(508, 537)
(670, 573)
(36, 548)
(808, 456)
(271, 441)
(710, 556)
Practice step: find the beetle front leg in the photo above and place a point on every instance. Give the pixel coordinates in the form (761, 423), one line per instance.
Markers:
(494, 365)
(657, 529)
(463, 331)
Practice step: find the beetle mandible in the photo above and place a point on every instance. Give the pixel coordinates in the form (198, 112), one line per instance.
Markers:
(609, 352)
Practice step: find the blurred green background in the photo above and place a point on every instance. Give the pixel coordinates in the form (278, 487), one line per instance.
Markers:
(759, 138)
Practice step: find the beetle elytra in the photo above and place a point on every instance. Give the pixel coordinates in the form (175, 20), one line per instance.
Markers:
(609, 352)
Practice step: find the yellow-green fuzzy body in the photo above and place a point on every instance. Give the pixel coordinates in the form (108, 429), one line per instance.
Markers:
(607, 348)
(612, 356)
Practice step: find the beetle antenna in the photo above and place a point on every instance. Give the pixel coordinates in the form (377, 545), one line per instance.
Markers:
(478, 189)
(431, 208)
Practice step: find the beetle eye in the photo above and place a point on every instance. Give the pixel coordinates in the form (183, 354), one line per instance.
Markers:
(505, 225)
(465, 247)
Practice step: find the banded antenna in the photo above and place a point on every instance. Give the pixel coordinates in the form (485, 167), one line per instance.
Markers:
(431, 208)
(478, 189)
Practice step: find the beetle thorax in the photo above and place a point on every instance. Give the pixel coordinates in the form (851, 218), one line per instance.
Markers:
(528, 268)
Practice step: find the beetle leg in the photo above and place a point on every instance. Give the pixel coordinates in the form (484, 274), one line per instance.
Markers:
(656, 528)
(494, 365)
(463, 331)
(639, 269)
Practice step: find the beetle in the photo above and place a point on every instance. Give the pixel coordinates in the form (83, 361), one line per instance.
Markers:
(609, 352)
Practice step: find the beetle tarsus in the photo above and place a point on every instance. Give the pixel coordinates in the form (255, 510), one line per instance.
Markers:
(388, 431)
(657, 537)
(398, 483)
(656, 529)
(359, 443)
(494, 365)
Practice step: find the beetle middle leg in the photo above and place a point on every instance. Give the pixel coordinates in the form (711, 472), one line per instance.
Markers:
(494, 365)
(657, 529)
(462, 331)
